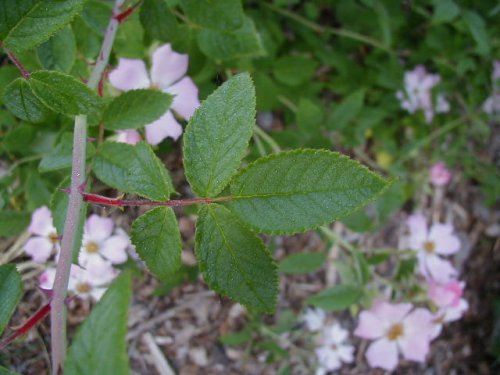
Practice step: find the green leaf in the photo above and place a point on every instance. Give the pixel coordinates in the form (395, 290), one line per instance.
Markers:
(336, 298)
(99, 346)
(445, 11)
(237, 338)
(309, 116)
(215, 14)
(294, 70)
(28, 23)
(234, 260)
(61, 156)
(4, 371)
(477, 27)
(133, 169)
(347, 110)
(361, 266)
(158, 242)
(227, 45)
(217, 136)
(8, 73)
(301, 263)
(22, 102)
(157, 20)
(63, 93)
(136, 108)
(297, 190)
(10, 293)
(13, 222)
(59, 52)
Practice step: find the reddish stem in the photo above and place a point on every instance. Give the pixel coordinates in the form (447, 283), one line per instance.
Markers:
(118, 202)
(122, 17)
(30, 323)
(18, 64)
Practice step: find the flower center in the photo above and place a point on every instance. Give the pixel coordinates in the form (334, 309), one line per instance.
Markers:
(53, 238)
(92, 247)
(395, 332)
(83, 287)
(429, 247)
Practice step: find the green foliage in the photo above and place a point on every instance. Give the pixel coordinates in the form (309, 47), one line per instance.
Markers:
(133, 169)
(59, 52)
(136, 108)
(157, 20)
(293, 191)
(231, 44)
(347, 110)
(24, 24)
(336, 298)
(294, 70)
(301, 263)
(477, 27)
(60, 156)
(99, 346)
(234, 261)
(10, 293)
(158, 242)
(221, 15)
(217, 136)
(13, 222)
(23, 103)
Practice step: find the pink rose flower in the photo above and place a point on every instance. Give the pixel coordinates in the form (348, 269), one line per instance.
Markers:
(44, 239)
(439, 174)
(395, 328)
(430, 246)
(168, 71)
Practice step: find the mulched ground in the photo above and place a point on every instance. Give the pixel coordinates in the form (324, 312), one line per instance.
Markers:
(178, 332)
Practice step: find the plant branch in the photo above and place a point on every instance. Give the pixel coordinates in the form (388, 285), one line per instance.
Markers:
(118, 202)
(75, 205)
(17, 63)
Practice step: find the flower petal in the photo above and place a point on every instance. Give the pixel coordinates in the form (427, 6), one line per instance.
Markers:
(369, 326)
(390, 314)
(437, 269)
(328, 358)
(446, 243)
(346, 353)
(168, 66)
(417, 224)
(165, 126)
(98, 228)
(130, 136)
(114, 249)
(186, 97)
(46, 279)
(418, 330)
(130, 74)
(383, 353)
(41, 222)
(39, 248)
(335, 334)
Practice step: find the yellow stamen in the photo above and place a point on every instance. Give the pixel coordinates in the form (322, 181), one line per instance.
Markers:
(83, 287)
(395, 332)
(429, 247)
(92, 247)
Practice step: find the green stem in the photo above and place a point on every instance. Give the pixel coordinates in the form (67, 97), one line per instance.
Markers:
(267, 138)
(336, 238)
(334, 30)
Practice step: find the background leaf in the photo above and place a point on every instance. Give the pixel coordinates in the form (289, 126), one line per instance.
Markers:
(59, 52)
(133, 169)
(157, 240)
(13, 222)
(301, 263)
(234, 261)
(99, 346)
(136, 108)
(217, 15)
(28, 23)
(298, 190)
(63, 93)
(22, 102)
(232, 44)
(217, 136)
(157, 20)
(336, 298)
(61, 155)
(477, 27)
(10, 293)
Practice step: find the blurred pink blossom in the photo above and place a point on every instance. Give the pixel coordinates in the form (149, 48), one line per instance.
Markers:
(395, 328)
(417, 93)
(99, 244)
(430, 246)
(130, 136)
(440, 175)
(445, 294)
(44, 239)
(333, 351)
(168, 71)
